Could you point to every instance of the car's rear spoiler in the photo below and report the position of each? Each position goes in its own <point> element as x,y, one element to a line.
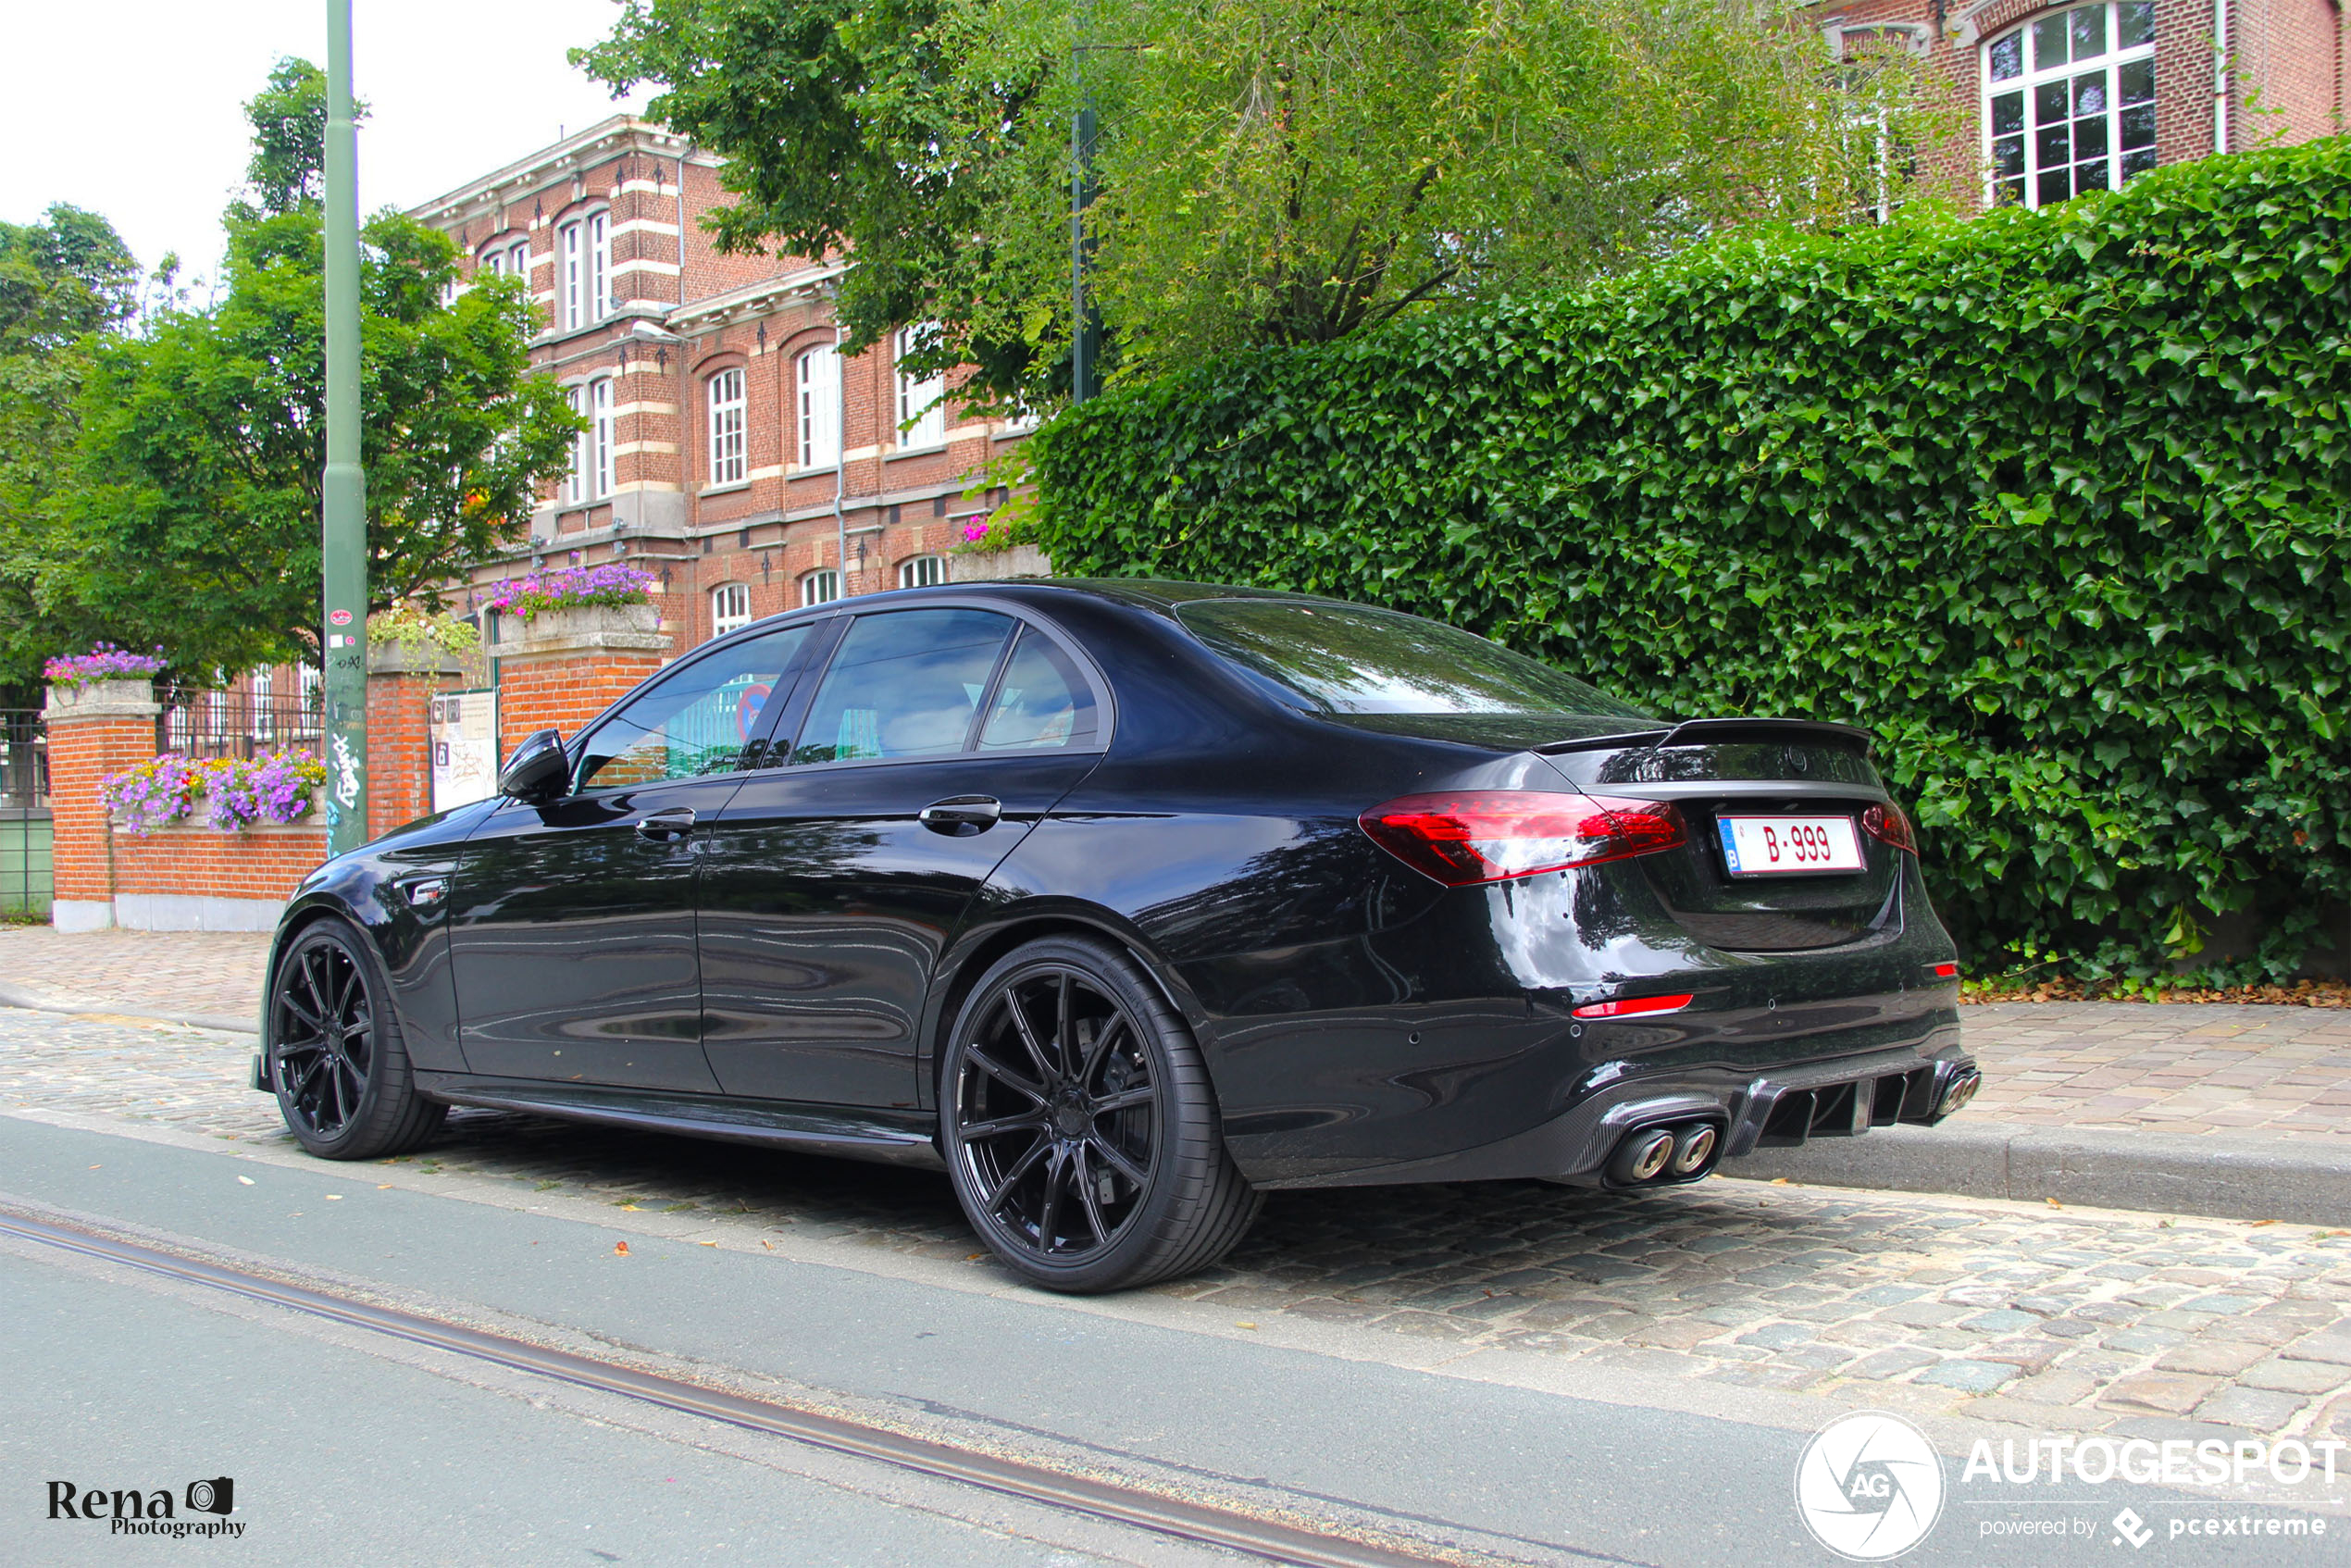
<point>1715,731</point>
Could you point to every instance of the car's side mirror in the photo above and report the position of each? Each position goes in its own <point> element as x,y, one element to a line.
<point>536,769</point>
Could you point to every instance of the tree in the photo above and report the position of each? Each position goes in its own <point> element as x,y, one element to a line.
<point>195,494</point>
<point>60,281</point>
<point>1268,172</point>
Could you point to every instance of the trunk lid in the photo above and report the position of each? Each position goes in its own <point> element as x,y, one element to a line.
<point>1714,768</point>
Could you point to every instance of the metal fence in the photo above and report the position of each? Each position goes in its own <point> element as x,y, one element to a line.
<point>209,724</point>
<point>27,874</point>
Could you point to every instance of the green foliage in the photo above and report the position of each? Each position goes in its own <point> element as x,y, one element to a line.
<point>195,496</point>
<point>1267,172</point>
<point>2055,503</point>
<point>60,281</point>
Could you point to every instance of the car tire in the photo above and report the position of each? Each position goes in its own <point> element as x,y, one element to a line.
<point>335,1057</point>
<point>1086,1147</point>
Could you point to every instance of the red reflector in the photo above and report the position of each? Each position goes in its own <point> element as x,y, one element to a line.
<point>1490,835</point>
<point>1631,1005</point>
<point>1947,971</point>
<point>1889,824</point>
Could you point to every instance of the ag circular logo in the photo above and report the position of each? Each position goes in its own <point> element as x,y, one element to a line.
<point>1870,1486</point>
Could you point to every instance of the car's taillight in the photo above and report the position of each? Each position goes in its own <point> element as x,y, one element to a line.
<point>1889,825</point>
<point>1490,835</point>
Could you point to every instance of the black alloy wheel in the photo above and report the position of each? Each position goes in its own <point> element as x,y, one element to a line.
<point>336,1059</point>
<point>1080,1127</point>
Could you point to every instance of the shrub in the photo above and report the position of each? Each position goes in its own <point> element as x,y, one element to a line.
<point>2055,503</point>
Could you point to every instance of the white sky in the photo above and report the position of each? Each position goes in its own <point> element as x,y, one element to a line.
<point>132,108</point>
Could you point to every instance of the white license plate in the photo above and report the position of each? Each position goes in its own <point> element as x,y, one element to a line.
<point>1777,846</point>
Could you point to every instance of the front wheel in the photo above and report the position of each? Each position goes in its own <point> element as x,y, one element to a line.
<point>336,1059</point>
<point>1080,1127</point>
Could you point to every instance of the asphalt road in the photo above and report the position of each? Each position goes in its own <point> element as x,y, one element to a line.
<point>348,1446</point>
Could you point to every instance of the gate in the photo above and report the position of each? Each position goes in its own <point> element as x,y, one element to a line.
<point>26,877</point>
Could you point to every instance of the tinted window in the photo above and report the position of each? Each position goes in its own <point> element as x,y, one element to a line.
<point>1042,702</point>
<point>1345,658</point>
<point>695,720</point>
<point>905,684</point>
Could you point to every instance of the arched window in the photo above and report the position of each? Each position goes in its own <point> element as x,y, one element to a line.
<point>820,587</point>
<point>2069,102</point>
<point>922,400</point>
<point>600,478</point>
<point>922,571</point>
<point>729,608</point>
<point>583,271</point>
<point>816,378</point>
<point>725,399</point>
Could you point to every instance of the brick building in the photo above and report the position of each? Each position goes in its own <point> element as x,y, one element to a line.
<point>2044,101</point>
<point>730,451</point>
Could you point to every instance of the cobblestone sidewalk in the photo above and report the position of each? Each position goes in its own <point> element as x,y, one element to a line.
<point>2220,1067</point>
<point>2055,1319</point>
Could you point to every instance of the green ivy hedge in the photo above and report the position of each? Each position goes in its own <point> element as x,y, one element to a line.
<point>2054,503</point>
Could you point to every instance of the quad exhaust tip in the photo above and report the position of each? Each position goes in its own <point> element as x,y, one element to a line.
<point>1681,1151</point>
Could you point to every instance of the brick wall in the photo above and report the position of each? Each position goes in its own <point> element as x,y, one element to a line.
<point>261,864</point>
<point>564,690</point>
<point>399,750</point>
<point>81,751</point>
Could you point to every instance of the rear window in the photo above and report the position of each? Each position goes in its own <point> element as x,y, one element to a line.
<point>1350,659</point>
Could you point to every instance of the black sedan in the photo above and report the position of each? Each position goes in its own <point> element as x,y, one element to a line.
<point>1128,901</point>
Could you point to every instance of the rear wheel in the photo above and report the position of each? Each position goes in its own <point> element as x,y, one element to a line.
<point>1080,1127</point>
<point>336,1059</point>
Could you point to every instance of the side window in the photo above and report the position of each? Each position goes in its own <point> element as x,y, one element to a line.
<point>905,684</point>
<point>698,720</point>
<point>1042,702</point>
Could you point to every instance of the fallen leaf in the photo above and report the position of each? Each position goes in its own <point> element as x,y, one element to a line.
<point>705,1243</point>
<point>383,1187</point>
<point>1238,1324</point>
<point>334,1197</point>
<point>2258,1224</point>
<point>620,1248</point>
<point>247,1180</point>
<point>769,1245</point>
<point>1779,1181</point>
<point>95,1167</point>
<point>2053,1202</point>
<point>974,1257</point>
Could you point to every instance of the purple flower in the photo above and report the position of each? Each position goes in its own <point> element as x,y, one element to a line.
<point>615,582</point>
<point>104,662</point>
<point>277,787</point>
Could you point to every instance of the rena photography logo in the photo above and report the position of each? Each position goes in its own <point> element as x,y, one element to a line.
<point>199,1508</point>
<point>1869,1485</point>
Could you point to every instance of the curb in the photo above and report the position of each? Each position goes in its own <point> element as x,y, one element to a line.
<point>2217,1175</point>
<point>36,1002</point>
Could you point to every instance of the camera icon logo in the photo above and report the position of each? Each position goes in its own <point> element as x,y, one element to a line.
<point>216,1496</point>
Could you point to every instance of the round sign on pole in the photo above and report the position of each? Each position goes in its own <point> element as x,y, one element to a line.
<point>339,617</point>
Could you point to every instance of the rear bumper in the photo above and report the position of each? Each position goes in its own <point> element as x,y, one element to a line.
<point>1841,1096</point>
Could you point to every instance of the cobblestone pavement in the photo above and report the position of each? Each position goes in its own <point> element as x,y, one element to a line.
<point>2212,1068</point>
<point>2051,1318</point>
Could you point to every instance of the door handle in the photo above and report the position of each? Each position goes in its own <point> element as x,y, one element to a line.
<point>660,826</point>
<point>960,816</point>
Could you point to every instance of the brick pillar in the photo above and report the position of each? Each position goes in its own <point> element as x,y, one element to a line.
<point>571,665</point>
<point>95,729</point>
<point>401,686</point>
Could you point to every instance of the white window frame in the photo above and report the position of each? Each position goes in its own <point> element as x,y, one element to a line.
<point>598,266</point>
<point>601,475</point>
<point>729,608</point>
<point>576,478</point>
<point>819,587</point>
<point>922,402</point>
<point>2013,164</point>
<point>726,396</point>
<point>922,571</point>
<point>816,403</point>
<point>262,688</point>
<point>569,264</point>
